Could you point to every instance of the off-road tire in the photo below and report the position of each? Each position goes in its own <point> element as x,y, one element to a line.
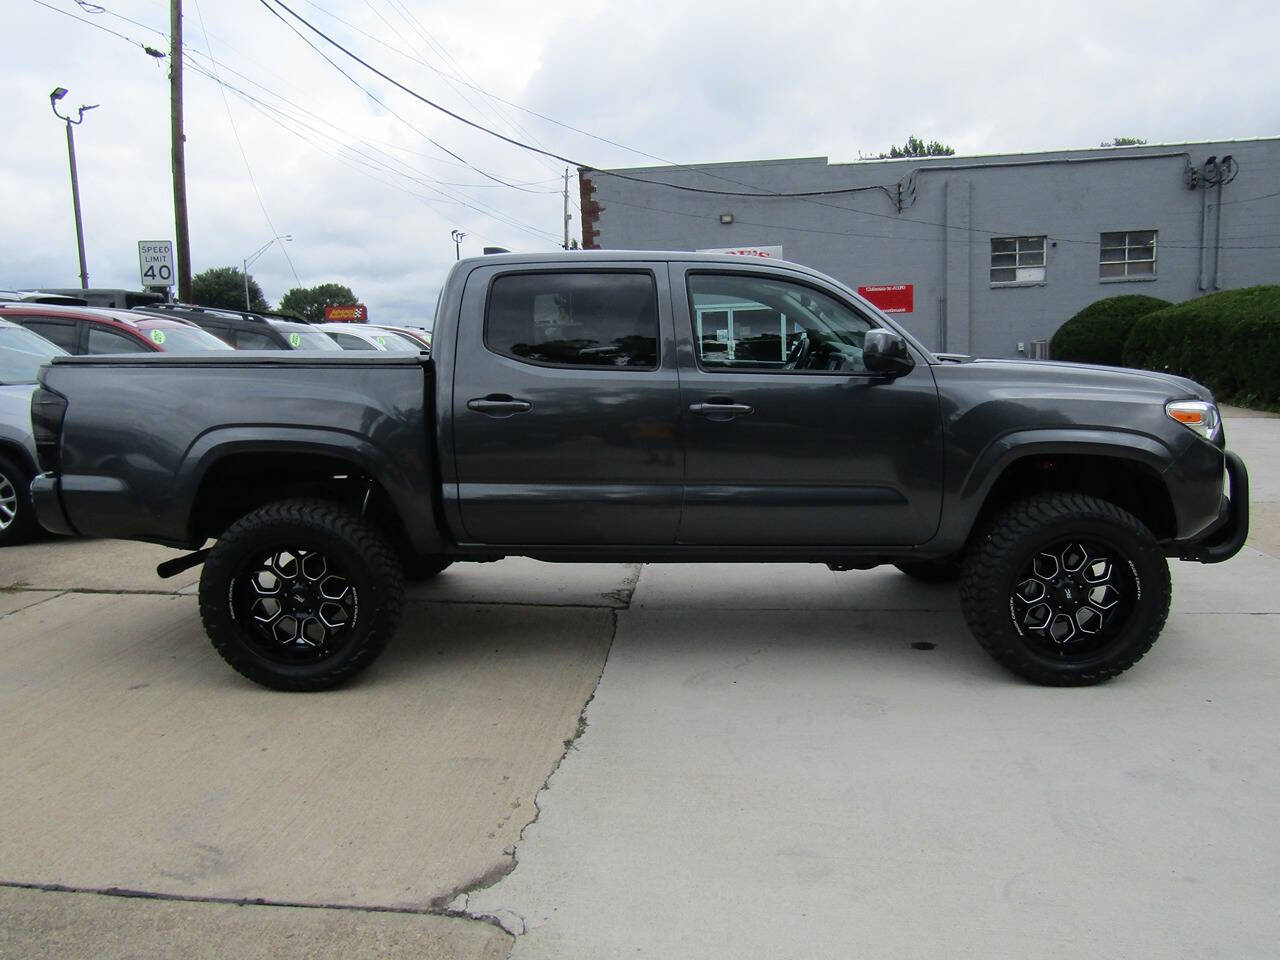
<point>932,571</point>
<point>1013,540</point>
<point>417,569</point>
<point>362,557</point>
<point>15,486</point>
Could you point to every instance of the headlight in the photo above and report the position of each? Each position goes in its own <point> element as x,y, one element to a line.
<point>1195,415</point>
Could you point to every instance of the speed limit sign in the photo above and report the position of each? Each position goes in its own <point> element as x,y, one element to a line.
<point>155,261</point>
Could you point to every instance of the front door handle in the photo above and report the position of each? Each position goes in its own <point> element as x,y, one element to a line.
<point>499,405</point>
<point>717,408</point>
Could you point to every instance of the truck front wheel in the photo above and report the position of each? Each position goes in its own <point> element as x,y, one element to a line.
<point>301,594</point>
<point>1065,589</point>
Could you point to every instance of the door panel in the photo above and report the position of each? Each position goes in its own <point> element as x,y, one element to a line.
<point>789,441</point>
<point>550,445</point>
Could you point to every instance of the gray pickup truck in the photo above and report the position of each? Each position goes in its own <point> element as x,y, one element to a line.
<point>644,406</point>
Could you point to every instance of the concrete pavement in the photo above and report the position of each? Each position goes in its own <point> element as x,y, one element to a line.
<point>135,758</point>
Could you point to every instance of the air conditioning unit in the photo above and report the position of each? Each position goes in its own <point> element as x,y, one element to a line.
<point>1039,350</point>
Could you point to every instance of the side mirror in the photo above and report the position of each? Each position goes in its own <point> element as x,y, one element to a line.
<point>885,352</point>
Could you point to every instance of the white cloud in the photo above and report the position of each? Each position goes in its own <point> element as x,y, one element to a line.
<point>691,82</point>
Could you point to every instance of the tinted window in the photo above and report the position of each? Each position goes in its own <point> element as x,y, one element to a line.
<point>61,332</point>
<point>579,319</point>
<point>760,323</point>
<point>102,340</point>
<point>249,340</point>
<point>181,339</point>
<point>347,342</point>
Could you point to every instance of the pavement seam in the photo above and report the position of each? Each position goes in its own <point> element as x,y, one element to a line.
<point>500,871</point>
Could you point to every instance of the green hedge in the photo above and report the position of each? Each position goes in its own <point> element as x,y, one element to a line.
<point>1229,341</point>
<point>1097,334</point>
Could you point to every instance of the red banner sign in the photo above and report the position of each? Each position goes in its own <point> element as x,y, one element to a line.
<point>892,297</point>
<point>355,313</point>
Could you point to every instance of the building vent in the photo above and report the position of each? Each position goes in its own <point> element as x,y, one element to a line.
<point>1039,350</point>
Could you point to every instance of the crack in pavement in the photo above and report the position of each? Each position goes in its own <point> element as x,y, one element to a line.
<point>455,903</point>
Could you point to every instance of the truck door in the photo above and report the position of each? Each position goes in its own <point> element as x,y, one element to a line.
<point>566,423</point>
<point>789,439</point>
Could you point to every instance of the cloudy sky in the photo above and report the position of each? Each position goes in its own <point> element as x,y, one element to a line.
<point>370,190</point>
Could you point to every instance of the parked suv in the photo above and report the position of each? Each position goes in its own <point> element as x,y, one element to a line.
<point>246,330</point>
<point>91,330</point>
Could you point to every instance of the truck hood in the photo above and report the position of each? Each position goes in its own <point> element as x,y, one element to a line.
<point>1087,374</point>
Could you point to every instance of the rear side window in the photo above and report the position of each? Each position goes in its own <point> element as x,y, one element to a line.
<point>592,319</point>
<point>347,342</point>
<point>249,340</point>
<point>107,341</point>
<point>61,332</point>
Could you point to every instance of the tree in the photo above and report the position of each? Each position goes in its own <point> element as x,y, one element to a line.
<point>224,287</point>
<point>1124,142</point>
<point>309,302</point>
<point>915,147</point>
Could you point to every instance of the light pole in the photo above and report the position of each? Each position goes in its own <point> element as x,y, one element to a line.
<point>457,243</point>
<point>254,256</point>
<point>58,94</point>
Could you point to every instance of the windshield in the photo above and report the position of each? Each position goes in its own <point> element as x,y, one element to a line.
<point>23,353</point>
<point>394,341</point>
<point>302,337</point>
<point>182,339</point>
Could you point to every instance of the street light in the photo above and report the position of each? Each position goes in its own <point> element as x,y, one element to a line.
<point>457,243</point>
<point>254,256</point>
<point>57,94</point>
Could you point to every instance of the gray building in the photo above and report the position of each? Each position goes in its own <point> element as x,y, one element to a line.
<point>983,255</point>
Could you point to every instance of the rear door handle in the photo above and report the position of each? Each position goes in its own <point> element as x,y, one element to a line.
<point>499,405</point>
<point>720,409</point>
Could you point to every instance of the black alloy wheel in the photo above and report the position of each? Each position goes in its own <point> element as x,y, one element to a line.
<point>301,594</point>
<point>1065,589</point>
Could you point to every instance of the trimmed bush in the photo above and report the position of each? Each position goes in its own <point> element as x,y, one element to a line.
<point>1097,334</point>
<point>1229,341</point>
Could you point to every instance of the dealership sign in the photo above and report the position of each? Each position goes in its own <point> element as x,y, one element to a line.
<point>767,252</point>
<point>892,297</point>
<point>354,313</point>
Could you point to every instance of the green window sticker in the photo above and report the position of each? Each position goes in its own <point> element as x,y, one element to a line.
<point>382,341</point>
<point>295,340</point>
<point>157,335</point>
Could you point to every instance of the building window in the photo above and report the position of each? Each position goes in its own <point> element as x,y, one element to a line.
<point>1017,259</point>
<point>1128,254</point>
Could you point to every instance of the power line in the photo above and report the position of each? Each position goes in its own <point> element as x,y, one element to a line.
<point>244,156</point>
<point>527,146</point>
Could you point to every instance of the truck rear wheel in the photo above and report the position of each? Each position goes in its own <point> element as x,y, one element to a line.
<point>1065,589</point>
<point>301,594</point>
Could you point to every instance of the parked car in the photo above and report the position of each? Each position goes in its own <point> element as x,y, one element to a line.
<point>641,407</point>
<point>419,335</point>
<point>246,330</point>
<point>92,330</point>
<point>37,296</point>
<point>22,353</point>
<point>359,336</point>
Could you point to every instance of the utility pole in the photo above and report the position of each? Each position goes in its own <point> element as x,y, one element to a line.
<point>566,208</point>
<point>58,94</point>
<point>178,149</point>
<point>457,236</point>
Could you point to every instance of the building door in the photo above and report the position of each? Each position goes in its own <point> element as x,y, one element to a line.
<point>789,439</point>
<point>565,406</point>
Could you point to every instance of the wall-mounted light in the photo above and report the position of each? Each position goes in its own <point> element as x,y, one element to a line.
<point>726,218</point>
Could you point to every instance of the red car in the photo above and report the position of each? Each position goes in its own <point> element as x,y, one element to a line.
<point>96,330</point>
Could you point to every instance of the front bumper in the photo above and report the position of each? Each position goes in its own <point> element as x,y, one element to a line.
<point>1223,539</point>
<point>48,504</point>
